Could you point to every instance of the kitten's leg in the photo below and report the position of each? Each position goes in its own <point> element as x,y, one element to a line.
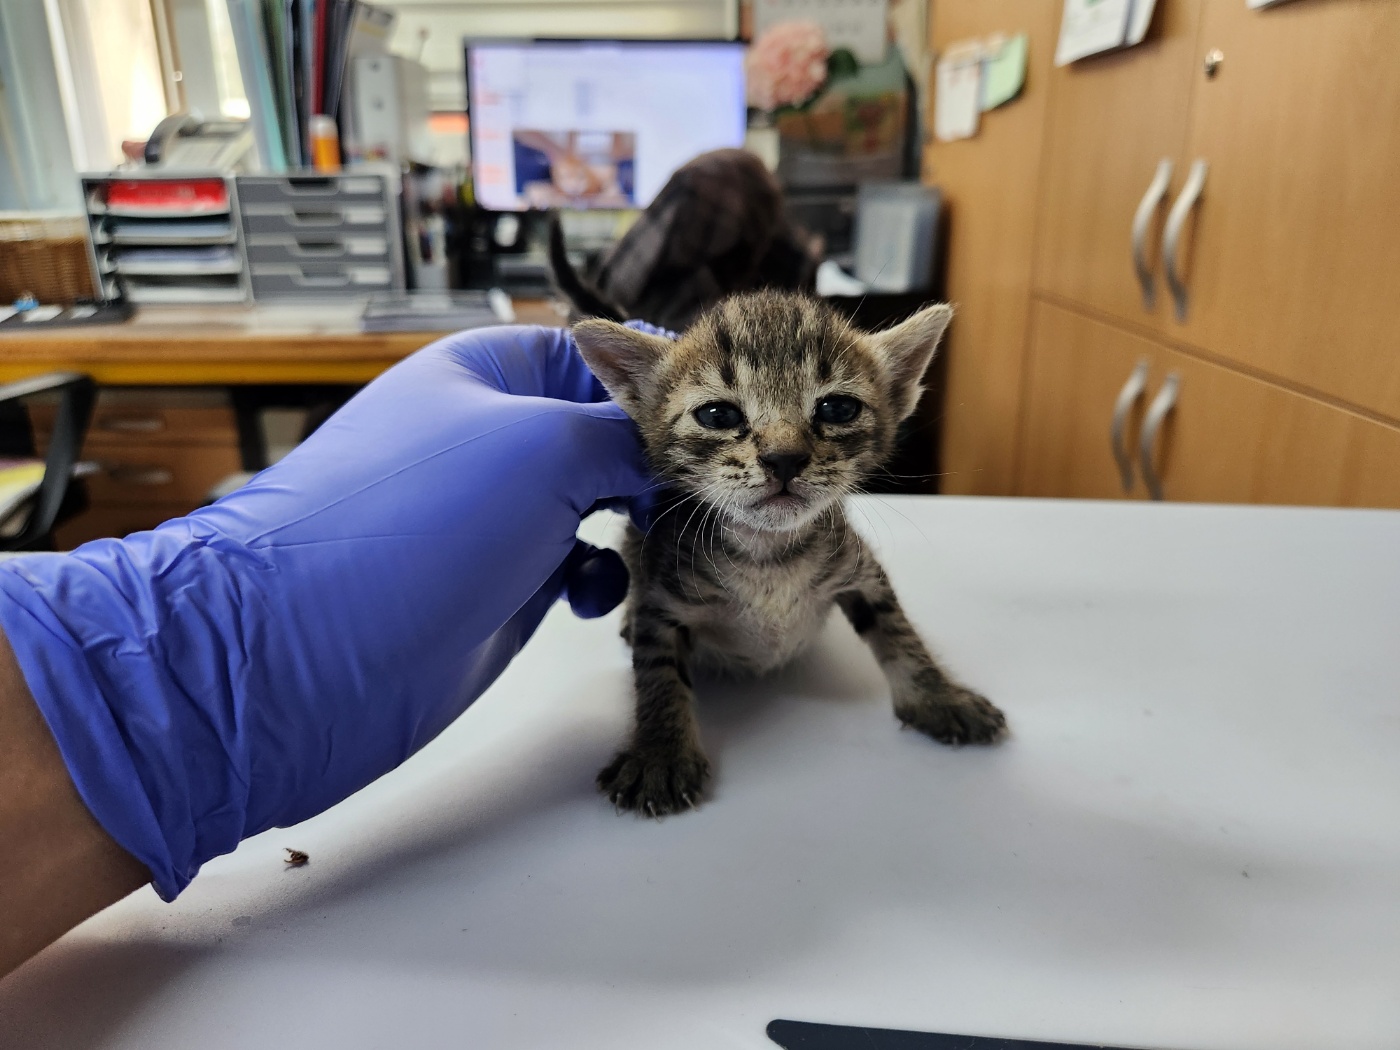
<point>924,696</point>
<point>662,769</point>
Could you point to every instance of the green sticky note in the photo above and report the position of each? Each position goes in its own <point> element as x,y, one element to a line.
<point>1004,71</point>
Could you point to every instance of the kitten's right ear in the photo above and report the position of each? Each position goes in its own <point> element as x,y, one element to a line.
<point>624,360</point>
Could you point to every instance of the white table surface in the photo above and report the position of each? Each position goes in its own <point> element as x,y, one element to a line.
<point>1192,839</point>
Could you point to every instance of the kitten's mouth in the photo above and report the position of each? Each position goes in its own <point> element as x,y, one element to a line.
<point>784,499</point>
<point>787,504</point>
<point>781,500</point>
<point>786,508</point>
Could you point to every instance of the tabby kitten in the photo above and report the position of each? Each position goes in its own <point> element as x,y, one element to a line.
<point>761,417</point>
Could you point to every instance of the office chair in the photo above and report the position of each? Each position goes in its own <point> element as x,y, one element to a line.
<point>57,497</point>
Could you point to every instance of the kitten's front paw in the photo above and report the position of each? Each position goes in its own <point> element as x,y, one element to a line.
<point>655,782</point>
<point>951,714</point>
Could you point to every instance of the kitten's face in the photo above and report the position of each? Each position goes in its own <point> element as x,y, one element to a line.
<point>770,407</point>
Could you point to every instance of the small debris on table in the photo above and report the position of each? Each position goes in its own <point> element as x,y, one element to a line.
<point>295,857</point>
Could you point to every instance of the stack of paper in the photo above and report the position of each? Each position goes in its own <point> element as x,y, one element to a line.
<point>292,55</point>
<point>974,76</point>
<point>19,480</point>
<point>436,311</point>
<point>1090,26</point>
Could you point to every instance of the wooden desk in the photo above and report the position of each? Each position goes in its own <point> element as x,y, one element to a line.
<point>187,346</point>
<point>161,451</point>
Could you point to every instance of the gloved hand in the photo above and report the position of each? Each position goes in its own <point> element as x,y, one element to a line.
<point>254,663</point>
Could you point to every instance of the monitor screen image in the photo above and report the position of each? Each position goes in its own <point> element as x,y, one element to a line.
<point>596,124</point>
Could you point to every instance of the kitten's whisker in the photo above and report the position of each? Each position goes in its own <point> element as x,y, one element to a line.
<point>917,527</point>
<point>868,506</point>
<point>655,521</point>
<point>698,545</point>
<point>882,472</point>
<point>702,501</point>
<point>874,281</point>
<point>680,536</point>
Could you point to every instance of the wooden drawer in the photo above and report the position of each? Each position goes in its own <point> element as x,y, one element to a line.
<point>1076,370</point>
<point>159,451</point>
<point>115,520</point>
<point>164,423</point>
<point>152,417</point>
<point>160,473</point>
<point>1230,438</point>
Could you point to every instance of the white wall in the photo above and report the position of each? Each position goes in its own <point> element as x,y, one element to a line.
<point>36,164</point>
<point>447,22</point>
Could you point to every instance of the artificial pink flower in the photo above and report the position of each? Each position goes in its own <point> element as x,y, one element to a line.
<point>786,65</point>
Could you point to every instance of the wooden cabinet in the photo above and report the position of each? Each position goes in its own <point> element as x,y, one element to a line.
<point>1285,344</point>
<point>1112,120</point>
<point>157,454</point>
<point>1226,438</point>
<point>1233,439</point>
<point>146,472</point>
<point>1295,265</point>
<point>991,213</point>
<point>1077,369</point>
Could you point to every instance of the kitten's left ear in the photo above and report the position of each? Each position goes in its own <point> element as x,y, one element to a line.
<point>906,350</point>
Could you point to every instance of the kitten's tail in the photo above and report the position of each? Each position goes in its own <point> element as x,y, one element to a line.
<point>586,300</point>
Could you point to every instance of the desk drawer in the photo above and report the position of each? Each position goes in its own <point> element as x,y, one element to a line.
<point>318,220</point>
<point>310,189</point>
<point>162,424</point>
<point>309,248</point>
<point>116,520</point>
<point>273,281</point>
<point>144,417</point>
<point>157,474</point>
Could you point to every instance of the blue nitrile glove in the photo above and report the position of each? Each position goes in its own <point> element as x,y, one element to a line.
<point>254,663</point>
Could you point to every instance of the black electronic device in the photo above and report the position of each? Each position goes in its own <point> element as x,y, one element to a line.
<point>806,1035</point>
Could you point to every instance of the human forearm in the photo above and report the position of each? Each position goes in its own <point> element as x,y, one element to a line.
<point>57,865</point>
<point>255,662</point>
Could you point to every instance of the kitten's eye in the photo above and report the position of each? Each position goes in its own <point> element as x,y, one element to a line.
<point>838,408</point>
<point>719,415</point>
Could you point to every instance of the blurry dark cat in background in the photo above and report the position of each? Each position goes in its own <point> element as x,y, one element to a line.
<point>717,227</point>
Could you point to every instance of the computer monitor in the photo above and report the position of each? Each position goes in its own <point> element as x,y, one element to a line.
<point>596,123</point>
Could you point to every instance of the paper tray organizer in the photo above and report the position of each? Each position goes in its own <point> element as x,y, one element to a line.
<point>165,238</point>
<point>213,238</point>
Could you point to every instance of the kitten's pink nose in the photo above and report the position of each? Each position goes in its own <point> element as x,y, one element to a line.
<point>785,465</point>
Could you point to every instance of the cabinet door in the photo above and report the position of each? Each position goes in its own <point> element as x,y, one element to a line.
<point>1077,369</point>
<point>1230,438</point>
<point>1112,118</point>
<point>1235,439</point>
<point>1295,269</point>
<point>987,183</point>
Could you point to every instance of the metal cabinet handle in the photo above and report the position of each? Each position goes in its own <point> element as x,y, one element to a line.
<point>1157,413</point>
<point>1171,241</point>
<point>1147,207</point>
<point>1127,397</point>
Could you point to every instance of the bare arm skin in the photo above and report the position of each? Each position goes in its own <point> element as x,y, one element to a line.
<point>57,865</point>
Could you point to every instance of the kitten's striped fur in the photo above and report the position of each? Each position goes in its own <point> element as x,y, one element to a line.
<point>752,549</point>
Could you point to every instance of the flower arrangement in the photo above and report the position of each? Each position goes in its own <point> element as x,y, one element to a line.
<point>818,116</point>
<point>787,65</point>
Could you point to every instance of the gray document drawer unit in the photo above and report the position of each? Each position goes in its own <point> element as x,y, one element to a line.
<point>318,236</point>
